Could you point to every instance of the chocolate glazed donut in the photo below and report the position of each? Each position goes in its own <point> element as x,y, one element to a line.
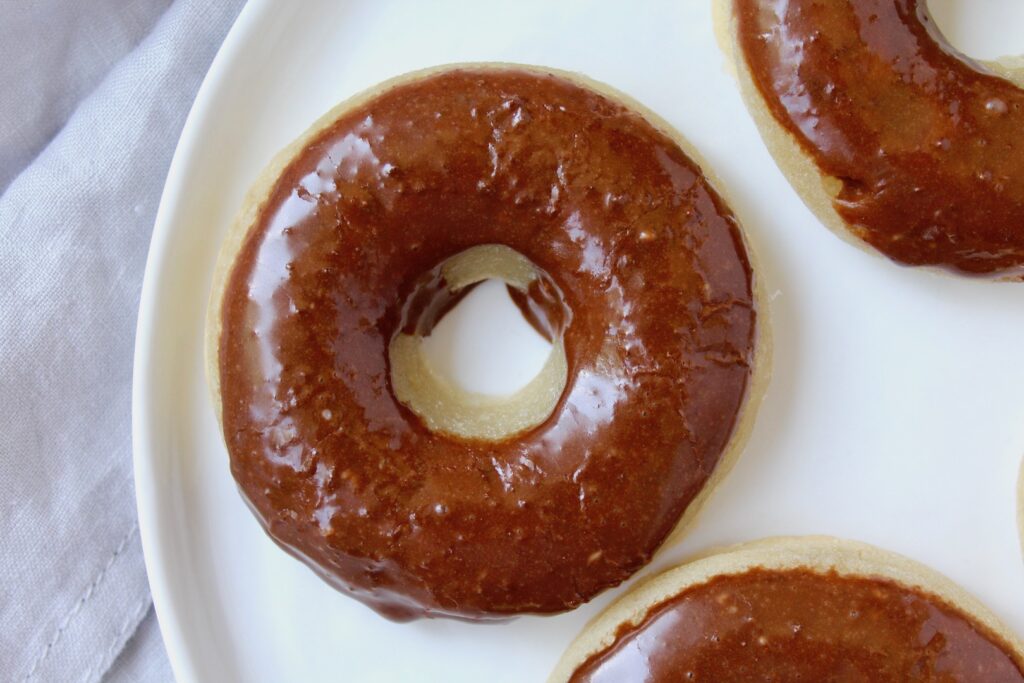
<point>372,225</point>
<point>795,609</point>
<point>885,130</point>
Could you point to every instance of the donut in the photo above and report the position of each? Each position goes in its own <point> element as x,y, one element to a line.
<point>889,135</point>
<point>795,609</point>
<point>401,489</point>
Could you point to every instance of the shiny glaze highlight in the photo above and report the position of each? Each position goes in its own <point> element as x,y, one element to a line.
<point>928,146</point>
<point>800,625</point>
<point>651,266</point>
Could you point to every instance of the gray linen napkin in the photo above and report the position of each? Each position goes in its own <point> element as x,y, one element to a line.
<point>75,225</point>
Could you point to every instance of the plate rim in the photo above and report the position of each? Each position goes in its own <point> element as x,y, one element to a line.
<point>148,497</point>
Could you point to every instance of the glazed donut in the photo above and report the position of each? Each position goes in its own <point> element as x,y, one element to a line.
<point>788,609</point>
<point>398,487</point>
<point>887,133</point>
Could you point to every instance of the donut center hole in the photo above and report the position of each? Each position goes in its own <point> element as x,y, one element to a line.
<point>982,30</point>
<point>479,351</point>
<point>485,344</point>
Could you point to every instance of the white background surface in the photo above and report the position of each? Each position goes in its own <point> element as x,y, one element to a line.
<point>485,345</point>
<point>895,414</point>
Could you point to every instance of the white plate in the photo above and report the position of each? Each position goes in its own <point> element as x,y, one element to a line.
<point>895,415</point>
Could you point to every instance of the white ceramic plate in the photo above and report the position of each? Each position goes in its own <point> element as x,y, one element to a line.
<point>895,415</point>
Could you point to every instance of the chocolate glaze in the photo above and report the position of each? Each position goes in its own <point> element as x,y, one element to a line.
<point>928,146</point>
<point>542,305</point>
<point>429,303</point>
<point>799,625</point>
<point>651,265</point>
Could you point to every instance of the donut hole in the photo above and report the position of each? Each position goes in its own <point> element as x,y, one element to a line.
<point>484,344</point>
<point>479,353</point>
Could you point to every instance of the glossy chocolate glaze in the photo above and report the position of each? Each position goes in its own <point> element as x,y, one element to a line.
<point>429,303</point>
<point>928,146</point>
<point>799,625</point>
<point>651,265</point>
<point>541,304</point>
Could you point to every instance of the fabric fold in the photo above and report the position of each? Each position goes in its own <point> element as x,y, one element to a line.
<point>74,231</point>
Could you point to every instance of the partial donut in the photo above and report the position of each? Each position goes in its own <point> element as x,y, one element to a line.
<point>887,133</point>
<point>796,609</point>
<point>406,492</point>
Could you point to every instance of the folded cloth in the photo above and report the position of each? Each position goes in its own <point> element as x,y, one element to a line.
<point>74,230</point>
<point>52,54</point>
<point>143,659</point>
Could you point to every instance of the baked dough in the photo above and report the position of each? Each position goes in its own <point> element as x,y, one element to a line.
<point>820,191</point>
<point>819,554</point>
<point>395,582</point>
